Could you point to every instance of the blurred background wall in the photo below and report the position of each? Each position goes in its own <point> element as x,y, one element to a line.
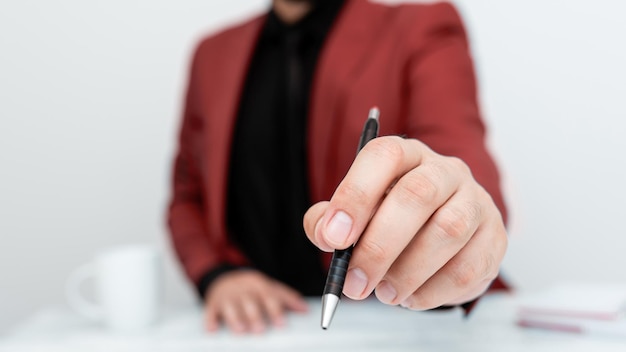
<point>90,95</point>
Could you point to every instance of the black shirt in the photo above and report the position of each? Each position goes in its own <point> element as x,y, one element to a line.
<point>268,190</point>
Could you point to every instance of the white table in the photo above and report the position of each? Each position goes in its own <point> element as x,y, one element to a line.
<point>357,326</point>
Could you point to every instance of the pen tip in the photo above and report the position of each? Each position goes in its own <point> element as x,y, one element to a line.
<point>374,113</point>
<point>329,304</point>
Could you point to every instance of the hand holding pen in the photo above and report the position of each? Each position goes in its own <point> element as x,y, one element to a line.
<point>425,233</point>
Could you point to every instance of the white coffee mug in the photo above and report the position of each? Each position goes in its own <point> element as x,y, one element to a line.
<point>127,282</point>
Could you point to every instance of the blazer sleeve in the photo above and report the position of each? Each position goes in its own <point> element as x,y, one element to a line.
<point>443,110</point>
<point>201,257</point>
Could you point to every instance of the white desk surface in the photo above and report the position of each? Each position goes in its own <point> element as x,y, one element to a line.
<point>357,326</point>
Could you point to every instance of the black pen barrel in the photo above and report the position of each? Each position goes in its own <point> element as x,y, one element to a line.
<point>337,271</point>
<point>370,131</point>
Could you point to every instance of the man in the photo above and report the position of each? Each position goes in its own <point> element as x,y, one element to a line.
<point>272,119</point>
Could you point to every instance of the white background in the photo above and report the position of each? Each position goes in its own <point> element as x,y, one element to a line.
<point>90,95</point>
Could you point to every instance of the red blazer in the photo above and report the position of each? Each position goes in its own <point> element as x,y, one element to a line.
<point>412,61</point>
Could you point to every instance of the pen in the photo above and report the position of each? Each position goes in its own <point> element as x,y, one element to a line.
<point>341,257</point>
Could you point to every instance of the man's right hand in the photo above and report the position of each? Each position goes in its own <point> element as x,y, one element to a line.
<point>247,301</point>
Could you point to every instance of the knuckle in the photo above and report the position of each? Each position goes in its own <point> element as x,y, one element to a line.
<point>455,223</point>
<point>387,148</point>
<point>354,192</point>
<point>373,251</point>
<point>463,275</point>
<point>491,275</point>
<point>416,191</point>
<point>439,169</point>
<point>473,211</point>
<point>490,267</point>
<point>459,165</point>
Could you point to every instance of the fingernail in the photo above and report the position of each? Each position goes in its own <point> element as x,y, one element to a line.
<point>339,228</point>
<point>406,304</point>
<point>355,284</point>
<point>385,292</point>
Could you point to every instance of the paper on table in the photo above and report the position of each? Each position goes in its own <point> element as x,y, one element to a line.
<point>577,300</point>
<point>576,307</point>
<point>578,325</point>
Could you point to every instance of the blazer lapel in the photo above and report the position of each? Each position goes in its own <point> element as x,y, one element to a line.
<point>223,107</point>
<point>345,49</point>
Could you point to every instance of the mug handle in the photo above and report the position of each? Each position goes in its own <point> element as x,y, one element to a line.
<point>75,299</point>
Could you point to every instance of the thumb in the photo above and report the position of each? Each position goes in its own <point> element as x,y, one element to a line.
<point>313,225</point>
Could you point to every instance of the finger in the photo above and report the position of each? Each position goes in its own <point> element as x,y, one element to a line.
<point>440,239</point>
<point>252,313</point>
<point>312,221</point>
<point>477,263</point>
<point>232,316</point>
<point>274,309</point>
<point>478,290</point>
<point>211,317</point>
<point>360,192</point>
<point>416,196</point>
<point>290,298</point>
